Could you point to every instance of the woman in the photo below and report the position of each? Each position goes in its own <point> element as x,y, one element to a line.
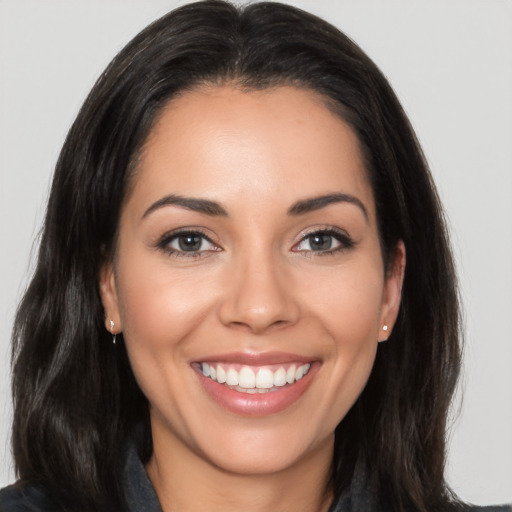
<point>240,214</point>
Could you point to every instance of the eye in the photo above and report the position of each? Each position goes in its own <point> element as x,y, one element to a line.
<point>325,241</point>
<point>187,244</point>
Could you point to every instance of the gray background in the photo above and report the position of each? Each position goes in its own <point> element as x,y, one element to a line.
<point>450,62</point>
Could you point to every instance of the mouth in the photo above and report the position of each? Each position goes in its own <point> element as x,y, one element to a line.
<point>256,385</point>
<point>253,380</point>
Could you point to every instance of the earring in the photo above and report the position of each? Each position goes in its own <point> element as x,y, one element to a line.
<point>385,329</point>
<point>112,332</point>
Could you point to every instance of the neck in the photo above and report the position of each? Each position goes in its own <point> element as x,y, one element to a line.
<point>184,481</point>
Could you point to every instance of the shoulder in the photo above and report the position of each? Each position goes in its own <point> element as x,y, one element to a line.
<point>26,498</point>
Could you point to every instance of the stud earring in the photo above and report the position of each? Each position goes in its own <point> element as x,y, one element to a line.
<point>385,329</point>
<point>112,332</point>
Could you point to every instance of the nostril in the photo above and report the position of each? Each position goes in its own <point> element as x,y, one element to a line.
<point>259,327</point>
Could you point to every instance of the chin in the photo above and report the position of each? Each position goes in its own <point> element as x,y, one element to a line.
<point>264,449</point>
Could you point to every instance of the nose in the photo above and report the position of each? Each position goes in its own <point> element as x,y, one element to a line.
<point>259,296</point>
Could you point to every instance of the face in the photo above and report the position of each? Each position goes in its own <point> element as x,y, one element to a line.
<point>248,279</point>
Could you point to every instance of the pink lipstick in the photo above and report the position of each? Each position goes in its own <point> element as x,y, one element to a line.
<point>256,384</point>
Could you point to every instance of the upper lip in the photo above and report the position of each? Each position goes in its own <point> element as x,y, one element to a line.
<point>255,359</point>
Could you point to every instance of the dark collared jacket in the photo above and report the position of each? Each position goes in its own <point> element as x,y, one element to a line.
<point>141,497</point>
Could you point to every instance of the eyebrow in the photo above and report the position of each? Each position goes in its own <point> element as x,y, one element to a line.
<point>204,206</point>
<point>316,203</point>
<point>214,209</point>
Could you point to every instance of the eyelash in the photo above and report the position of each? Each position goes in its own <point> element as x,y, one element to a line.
<point>343,238</point>
<point>164,243</point>
<point>168,238</point>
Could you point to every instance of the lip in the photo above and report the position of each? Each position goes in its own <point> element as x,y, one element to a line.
<point>255,405</point>
<point>253,359</point>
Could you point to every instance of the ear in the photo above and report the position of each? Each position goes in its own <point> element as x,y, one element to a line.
<point>108,293</point>
<point>392,292</point>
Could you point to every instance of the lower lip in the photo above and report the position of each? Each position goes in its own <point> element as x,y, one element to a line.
<point>247,404</point>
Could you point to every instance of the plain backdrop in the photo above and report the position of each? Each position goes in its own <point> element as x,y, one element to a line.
<point>450,62</point>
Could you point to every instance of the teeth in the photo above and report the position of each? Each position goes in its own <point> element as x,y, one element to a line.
<point>280,377</point>
<point>232,377</point>
<point>265,379</point>
<point>221,374</point>
<point>247,379</point>
<point>290,375</point>
<point>253,380</point>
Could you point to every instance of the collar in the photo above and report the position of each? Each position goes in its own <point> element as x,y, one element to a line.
<point>139,492</point>
<point>141,496</point>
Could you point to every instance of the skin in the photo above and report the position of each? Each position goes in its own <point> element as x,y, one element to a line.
<point>259,285</point>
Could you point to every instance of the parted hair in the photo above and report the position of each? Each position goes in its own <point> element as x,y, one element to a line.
<point>75,397</point>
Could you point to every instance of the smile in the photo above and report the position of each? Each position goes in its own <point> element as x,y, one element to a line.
<point>256,385</point>
<point>247,379</point>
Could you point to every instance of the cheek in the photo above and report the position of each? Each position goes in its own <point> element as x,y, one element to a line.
<point>160,310</point>
<point>159,307</point>
<point>348,302</point>
<point>346,308</point>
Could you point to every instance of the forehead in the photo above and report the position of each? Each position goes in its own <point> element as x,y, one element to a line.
<point>224,143</point>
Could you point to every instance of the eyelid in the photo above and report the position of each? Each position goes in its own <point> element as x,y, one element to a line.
<point>163,242</point>
<point>345,240</point>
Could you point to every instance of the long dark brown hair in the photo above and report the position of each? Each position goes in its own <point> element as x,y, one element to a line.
<point>75,397</point>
